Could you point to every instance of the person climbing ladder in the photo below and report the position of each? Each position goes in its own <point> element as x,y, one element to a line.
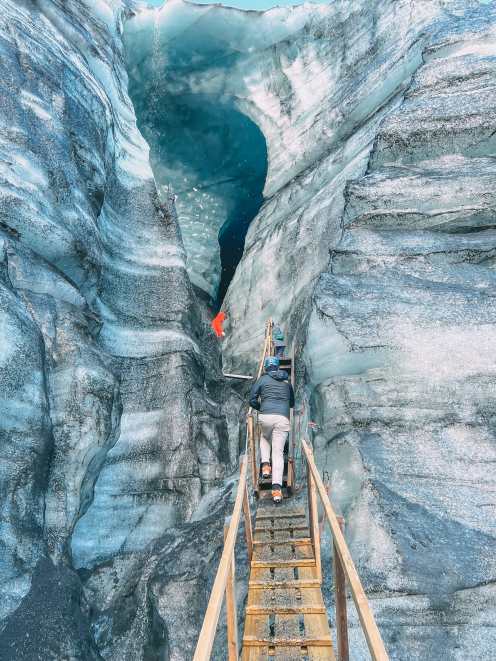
<point>273,396</point>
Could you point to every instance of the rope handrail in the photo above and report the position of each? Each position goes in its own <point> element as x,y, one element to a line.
<point>211,618</point>
<point>367,620</point>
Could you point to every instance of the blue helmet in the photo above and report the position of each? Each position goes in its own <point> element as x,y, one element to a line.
<point>271,364</point>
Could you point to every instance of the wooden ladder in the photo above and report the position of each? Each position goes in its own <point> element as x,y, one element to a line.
<point>285,614</point>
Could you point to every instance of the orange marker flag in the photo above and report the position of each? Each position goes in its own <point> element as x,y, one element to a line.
<point>217,324</point>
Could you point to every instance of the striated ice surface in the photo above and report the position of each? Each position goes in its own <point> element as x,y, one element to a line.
<point>407,304</point>
<point>381,251</point>
<point>110,433</point>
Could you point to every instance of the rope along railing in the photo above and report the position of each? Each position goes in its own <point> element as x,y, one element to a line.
<point>344,568</point>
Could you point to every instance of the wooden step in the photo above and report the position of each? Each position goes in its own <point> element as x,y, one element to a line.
<point>279,512</point>
<point>284,653</point>
<point>249,641</point>
<point>296,541</point>
<point>281,524</point>
<point>285,535</point>
<point>290,574</point>
<point>285,600</point>
<point>300,583</point>
<point>302,562</point>
<point>269,552</point>
<point>285,610</point>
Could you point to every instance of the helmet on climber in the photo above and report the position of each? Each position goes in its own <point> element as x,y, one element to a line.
<point>271,364</point>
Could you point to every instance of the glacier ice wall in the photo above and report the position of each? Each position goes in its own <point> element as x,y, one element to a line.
<point>110,432</point>
<point>400,348</point>
<point>392,200</point>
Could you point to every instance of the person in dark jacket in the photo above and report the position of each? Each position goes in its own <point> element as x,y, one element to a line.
<point>279,342</point>
<point>272,395</point>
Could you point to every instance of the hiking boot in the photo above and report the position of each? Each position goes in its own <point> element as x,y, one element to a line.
<point>277,494</point>
<point>266,471</point>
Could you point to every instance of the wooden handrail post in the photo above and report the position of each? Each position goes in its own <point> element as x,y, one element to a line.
<point>340,602</point>
<point>207,634</point>
<point>231,611</point>
<point>253,452</point>
<point>248,528</point>
<point>367,620</point>
<point>313,516</point>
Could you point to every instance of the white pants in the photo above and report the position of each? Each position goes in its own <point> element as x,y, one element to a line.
<point>274,429</point>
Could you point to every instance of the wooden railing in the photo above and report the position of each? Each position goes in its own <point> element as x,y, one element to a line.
<point>224,579</point>
<point>344,568</point>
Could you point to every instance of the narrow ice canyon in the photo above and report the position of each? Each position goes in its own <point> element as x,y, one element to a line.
<point>329,165</point>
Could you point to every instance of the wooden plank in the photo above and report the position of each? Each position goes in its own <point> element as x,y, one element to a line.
<point>280,524</point>
<point>273,598</point>
<point>296,541</point>
<point>285,610</point>
<point>231,609</point>
<point>302,641</point>
<point>295,598</point>
<point>264,585</point>
<point>312,596</point>
<point>255,653</point>
<point>317,626</point>
<point>294,533</point>
<point>277,551</point>
<point>279,513</point>
<point>287,627</point>
<point>253,451</point>
<point>304,562</point>
<point>307,573</point>
<point>367,620</point>
<point>320,654</point>
<point>256,627</point>
<point>211,619</point>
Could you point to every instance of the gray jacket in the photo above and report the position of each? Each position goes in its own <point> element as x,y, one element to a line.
<point>272,394</point>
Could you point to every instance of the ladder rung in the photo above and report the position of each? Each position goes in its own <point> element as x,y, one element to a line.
<point>251,641</point>
<point>281,515</point>
<point>287,527</point>
<point>285,585</point>
<point>295,541</point>
<point>302,562</point>
<point>286,610</point>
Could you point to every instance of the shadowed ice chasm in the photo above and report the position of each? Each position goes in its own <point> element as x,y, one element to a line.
<point>202,148</point>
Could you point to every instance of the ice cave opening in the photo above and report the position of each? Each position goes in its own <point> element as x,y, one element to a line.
<point>203,148</point>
